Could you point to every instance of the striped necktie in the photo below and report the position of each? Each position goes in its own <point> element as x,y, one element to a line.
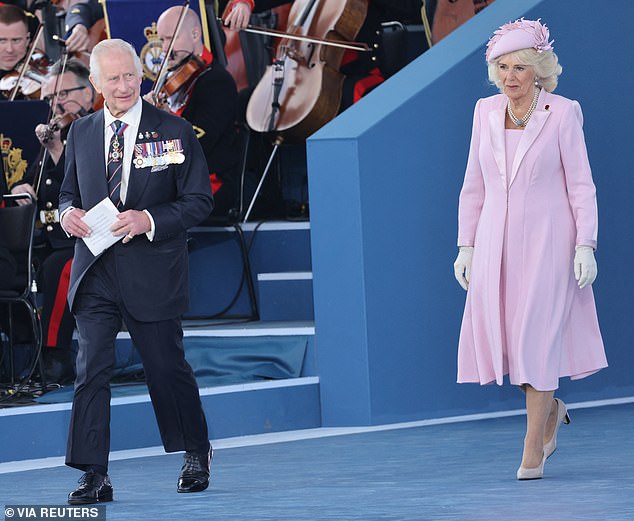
<point>115,161</point>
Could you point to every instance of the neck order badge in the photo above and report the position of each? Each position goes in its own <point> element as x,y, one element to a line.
<point>115,161</point>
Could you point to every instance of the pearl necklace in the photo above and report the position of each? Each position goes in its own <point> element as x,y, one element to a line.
<point>521,122</point>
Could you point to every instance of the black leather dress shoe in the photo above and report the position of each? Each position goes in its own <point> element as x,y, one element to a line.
<point>93,488</point>
<point>194,476</point>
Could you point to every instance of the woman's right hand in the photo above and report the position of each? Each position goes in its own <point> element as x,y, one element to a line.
<point>585,266</point>
<point>462,266</point>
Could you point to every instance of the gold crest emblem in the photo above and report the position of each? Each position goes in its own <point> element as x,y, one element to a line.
<point>14,165</point>
<point>151,53</point>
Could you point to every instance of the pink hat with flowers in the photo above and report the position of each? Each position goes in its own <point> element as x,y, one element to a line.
<point>520,34</point>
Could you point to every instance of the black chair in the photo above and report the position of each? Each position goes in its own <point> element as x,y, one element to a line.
<point>17,226</point>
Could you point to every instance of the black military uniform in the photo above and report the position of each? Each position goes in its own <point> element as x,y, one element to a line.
<point>211,109</point>
<point>53,254</point>
<point>84,12</point>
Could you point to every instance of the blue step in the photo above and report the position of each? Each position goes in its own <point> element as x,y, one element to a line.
<point>286,295</point>
<point>216,264</point>
<point>256,407</point>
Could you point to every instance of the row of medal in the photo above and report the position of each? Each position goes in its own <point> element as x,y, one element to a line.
<point>158,153</point>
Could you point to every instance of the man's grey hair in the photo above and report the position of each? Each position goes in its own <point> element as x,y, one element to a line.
<point>106,46</point>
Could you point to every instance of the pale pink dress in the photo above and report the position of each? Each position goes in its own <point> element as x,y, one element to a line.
<point>527,200</point>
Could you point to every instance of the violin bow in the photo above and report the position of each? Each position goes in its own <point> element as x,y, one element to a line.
<point>160,77</point>
<point>27,59</point>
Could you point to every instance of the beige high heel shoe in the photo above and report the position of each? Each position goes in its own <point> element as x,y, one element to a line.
<point>562,417</point>
<point>524,473</point>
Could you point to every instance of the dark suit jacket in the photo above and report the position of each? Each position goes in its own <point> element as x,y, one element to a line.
<point>153,276</point>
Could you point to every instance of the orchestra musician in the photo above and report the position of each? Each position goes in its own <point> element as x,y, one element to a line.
<point>14,37</point>
<point>79,19</point>
<point>71,95</point>
<point>208,100</point>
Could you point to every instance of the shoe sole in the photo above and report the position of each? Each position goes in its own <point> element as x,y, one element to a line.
<point>104,499</point>
<point>193,489</point>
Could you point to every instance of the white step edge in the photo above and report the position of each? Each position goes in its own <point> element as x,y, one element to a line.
<point>143,398</point>
<point>306,328</point>
<point>286,275</point>
<point>272,226</point>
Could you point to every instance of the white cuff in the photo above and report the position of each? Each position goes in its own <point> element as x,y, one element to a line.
<point>150,234</point>
<point>61,219</point>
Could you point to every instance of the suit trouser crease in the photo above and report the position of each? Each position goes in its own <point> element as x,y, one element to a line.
<point>99,312</point>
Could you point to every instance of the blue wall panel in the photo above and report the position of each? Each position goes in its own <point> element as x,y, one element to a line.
<point>384,180</point>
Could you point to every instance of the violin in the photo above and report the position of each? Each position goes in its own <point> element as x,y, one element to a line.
<point>28,83</point>
<point>180,80</point>
<point>59,123</point>
<point>28,70</point>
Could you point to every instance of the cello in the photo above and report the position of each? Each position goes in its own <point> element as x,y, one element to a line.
<point>301,91</point>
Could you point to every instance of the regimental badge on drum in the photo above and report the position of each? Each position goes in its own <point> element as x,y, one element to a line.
<point>158,153</point>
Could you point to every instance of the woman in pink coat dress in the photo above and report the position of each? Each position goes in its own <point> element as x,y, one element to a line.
<point>527,234</point>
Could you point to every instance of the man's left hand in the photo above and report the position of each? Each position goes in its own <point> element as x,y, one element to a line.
<point>131,223</point>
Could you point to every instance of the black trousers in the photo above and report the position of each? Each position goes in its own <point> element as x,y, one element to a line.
<point>99,312</point>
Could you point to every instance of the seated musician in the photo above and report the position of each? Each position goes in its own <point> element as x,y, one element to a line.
<point>14,37</point>
<point>79,19</point>
<point>362,69</point>
<point>208,100</point>
<point>71,95</point>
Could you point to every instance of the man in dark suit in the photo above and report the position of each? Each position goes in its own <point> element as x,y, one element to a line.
<point>149,163</point>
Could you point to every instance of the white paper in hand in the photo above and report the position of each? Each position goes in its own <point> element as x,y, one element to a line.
<point>100,218</point>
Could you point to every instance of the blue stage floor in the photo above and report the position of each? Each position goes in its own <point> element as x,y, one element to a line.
<point>456,471</point>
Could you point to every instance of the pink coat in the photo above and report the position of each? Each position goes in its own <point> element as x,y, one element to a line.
<point>525,315</point>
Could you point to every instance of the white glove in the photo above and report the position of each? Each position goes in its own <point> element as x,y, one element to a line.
<point>462,266</point>
<point>585,266</point>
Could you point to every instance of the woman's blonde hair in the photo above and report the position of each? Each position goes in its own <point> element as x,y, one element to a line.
<point>545,64</point>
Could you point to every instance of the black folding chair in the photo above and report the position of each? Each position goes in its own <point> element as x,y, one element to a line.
<point>17,226</point>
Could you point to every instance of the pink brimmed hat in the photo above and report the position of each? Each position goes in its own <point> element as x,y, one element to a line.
<point>520,34</point>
